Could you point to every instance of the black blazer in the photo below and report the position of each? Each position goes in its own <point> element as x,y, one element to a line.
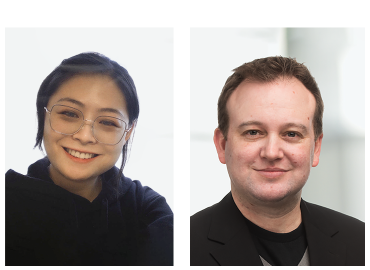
<point>220,236</point>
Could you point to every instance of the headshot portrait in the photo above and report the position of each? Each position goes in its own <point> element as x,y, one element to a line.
<point>277,146</point>
<point>89,153</point>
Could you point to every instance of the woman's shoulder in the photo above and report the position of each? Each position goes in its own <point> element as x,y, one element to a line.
<point>136,197</point>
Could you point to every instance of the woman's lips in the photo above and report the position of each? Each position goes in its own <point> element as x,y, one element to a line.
<point>80,160</point>
<point>81,151</point>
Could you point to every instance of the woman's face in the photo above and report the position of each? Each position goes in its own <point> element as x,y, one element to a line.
<point>93,95</point>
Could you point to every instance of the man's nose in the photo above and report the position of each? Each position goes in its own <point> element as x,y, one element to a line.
<point>272,148</point>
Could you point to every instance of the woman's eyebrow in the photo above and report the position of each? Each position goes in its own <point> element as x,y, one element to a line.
<point>79,103</point>
<point>111,110</point>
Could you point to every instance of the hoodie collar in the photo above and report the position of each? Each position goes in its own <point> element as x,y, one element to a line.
<point>110,191</point>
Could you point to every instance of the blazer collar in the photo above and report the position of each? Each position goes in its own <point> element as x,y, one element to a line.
<point>323,249</point>
<point>228,227</point>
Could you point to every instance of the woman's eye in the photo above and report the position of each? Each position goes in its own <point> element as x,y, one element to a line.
<point>70,114</point>
<point>108,123</point>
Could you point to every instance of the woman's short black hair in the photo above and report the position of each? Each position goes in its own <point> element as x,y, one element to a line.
<point>87,63</point>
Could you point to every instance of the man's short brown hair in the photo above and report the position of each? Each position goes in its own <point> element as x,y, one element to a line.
<point>267,70</point>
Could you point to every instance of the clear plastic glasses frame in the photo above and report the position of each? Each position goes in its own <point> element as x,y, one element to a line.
<point>125,130</point>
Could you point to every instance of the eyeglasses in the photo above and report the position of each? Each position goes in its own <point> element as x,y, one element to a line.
<point>67,120</point>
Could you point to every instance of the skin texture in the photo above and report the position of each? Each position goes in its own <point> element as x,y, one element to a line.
<point>270,150</point>
<point>94,92</point>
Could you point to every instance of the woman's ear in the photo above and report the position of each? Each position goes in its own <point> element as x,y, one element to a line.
<point>129,132</point>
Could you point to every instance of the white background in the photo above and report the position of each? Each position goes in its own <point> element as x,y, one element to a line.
<point>147,53</point>
<point>335,58</point>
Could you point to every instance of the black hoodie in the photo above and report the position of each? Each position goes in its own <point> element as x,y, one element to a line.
<point>48,225</point>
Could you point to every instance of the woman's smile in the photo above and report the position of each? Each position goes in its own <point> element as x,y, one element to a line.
<point>81,157</point>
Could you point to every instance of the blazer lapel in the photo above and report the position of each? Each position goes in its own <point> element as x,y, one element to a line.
<point>322,248</point>
<point>229,228</point>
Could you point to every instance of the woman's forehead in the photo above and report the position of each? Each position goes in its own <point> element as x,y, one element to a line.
<point>90,92</point>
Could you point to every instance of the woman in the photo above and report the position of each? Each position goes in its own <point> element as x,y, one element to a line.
<point>74,207</point>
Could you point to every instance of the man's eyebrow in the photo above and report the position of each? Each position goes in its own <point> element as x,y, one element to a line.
<point>250,123</point>
<point>79,103</point>
<point>288,125</point>
<point>300,126</point>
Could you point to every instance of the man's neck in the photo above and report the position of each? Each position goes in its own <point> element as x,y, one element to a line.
<point>281,217</point>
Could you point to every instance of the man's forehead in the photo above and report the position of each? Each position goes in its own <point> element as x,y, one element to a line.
<point>284,98</point>
<point>274,105</point>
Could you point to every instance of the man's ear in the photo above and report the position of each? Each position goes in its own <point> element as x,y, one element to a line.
<point>317,150</point>
<point>220,143</point>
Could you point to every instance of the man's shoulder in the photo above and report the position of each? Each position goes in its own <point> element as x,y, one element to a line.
<point>216,219</point>
<point>345,228</point>
<point>200,245</point>
<point>331,232</point>
<point>201,221</point>
<point>340,220</point>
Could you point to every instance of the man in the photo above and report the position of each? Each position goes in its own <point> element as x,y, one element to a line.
<point>269,136</point>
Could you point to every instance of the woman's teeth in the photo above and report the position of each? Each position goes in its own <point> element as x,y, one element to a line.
<point>79,154</point>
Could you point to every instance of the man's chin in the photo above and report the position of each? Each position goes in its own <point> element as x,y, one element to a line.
<point>270,199</point>
<point>275,198</point>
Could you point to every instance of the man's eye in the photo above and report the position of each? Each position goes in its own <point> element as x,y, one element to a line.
<point>252,132</point>
<point>293,134</point>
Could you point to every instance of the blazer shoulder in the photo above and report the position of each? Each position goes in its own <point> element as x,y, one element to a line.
<point>350,230</point>
<point>339,230</point>
<point>336,218</point>
<point>201,221</point>
<point>200,245</point>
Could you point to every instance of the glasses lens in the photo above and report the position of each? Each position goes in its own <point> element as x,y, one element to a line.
<point>109,130</point>
<point>68,120</point>
<point>65,119</point>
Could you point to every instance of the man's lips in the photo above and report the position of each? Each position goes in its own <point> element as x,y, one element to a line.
<point>271,172</point>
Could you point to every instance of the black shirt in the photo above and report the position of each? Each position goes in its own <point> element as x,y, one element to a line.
<point>279,249</point>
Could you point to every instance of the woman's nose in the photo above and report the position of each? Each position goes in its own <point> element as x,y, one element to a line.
<point>85,134</point>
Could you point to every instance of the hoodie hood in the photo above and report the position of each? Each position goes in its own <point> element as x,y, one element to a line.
<point>111,191</point>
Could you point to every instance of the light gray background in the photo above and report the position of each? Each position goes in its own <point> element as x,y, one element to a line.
<point>147,53</point>
<point>335,57</point>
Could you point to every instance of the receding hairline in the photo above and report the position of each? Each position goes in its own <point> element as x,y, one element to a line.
<point>284,79</point>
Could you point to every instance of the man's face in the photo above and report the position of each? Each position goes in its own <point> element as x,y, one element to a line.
<point>270,146</point>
